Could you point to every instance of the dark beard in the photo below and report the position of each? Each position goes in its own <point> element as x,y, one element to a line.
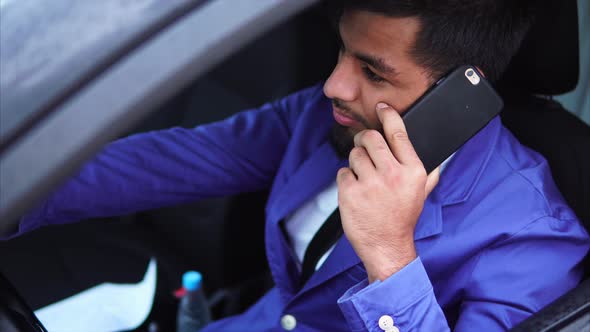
<point>342,140</point>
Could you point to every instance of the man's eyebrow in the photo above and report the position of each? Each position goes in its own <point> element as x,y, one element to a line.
<point>375,62</point>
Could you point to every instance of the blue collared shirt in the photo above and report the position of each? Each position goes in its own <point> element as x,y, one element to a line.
<point>495,240</point>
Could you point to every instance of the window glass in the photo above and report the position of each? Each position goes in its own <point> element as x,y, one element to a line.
<point>47,47</point>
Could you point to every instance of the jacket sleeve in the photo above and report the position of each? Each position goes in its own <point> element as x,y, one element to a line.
<point>175,166</point>
<point>510,281</point>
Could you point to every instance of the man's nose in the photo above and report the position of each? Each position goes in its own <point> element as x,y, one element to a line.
<point>341,83</point>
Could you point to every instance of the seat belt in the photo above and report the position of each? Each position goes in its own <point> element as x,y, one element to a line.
<point>322,241</point>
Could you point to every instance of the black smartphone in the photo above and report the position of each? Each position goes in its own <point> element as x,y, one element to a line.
<point>452,111</point>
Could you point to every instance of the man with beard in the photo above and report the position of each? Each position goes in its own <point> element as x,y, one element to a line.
<point>479,244</point>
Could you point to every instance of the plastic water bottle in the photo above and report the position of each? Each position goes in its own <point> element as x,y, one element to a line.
<point>193,311</point>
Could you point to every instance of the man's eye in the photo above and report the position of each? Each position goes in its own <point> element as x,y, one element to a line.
<point>371,76</point>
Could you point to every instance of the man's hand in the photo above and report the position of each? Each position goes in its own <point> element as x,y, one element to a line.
<point>382,194</point>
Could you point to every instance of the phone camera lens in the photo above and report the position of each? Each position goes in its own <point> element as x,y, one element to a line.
<point>470,73</point>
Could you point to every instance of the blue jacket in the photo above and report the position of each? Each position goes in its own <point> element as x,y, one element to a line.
<point>495,240</point>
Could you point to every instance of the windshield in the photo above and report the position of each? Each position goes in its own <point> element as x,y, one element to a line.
<point>48,47</point>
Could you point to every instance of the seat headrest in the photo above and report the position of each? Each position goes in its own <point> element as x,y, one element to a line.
<point>548,60</point>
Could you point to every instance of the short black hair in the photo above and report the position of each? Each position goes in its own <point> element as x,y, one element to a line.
<point>484,33</point>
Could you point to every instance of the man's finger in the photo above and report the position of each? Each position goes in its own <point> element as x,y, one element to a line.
<point>360,162</point>
<point>432,181</point>
<point>376,147</point>
<point>345,177</point>
<point>396,135</point>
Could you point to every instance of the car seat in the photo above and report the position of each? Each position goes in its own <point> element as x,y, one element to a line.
<point>547,64</point>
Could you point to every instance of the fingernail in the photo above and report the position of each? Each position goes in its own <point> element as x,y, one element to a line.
<point>381,106</point>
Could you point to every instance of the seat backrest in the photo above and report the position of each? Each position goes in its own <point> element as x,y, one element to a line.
<point>548,64</point>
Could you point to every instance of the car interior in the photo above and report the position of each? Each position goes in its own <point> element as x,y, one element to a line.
<point>224,238</point>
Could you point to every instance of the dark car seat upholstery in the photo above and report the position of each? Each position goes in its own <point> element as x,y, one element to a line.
<point>548,64</point>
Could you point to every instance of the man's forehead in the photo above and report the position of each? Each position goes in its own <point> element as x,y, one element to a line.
<point>374,38</point>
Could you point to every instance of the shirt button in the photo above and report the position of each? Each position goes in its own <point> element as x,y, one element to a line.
<point>288,322</point>
<point>386,324</point>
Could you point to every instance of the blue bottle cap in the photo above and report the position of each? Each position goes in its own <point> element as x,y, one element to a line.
<point>191,280</point>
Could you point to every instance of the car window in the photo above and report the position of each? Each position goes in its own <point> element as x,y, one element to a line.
<point>47,46</point>
<point>578,100</point>
<point>81,108</point>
